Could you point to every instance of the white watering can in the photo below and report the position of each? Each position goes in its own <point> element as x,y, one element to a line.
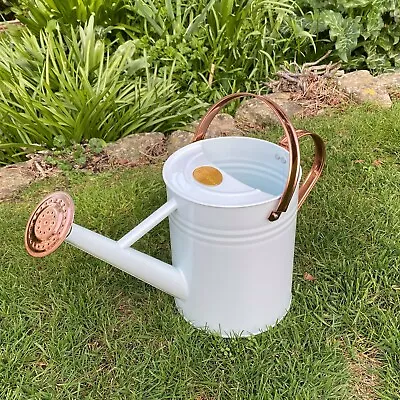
<point>232,207</point>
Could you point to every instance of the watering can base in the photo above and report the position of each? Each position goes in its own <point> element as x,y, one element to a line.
<point>232,333</point>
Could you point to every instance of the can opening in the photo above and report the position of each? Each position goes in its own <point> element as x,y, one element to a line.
<point>256,163</point>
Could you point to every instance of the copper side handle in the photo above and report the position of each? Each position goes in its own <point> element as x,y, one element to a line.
<point>317,166</point>
<point>292,144</point>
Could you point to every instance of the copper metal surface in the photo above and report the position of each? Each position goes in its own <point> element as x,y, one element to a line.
<point>49,224</point>
<point>207,175</point>
<point>317,166</point>
<point>291,140</point>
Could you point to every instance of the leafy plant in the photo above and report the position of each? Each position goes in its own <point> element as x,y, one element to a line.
<point>96,145</point>
<point>36,14</point>
<point>363,32</point>
<point>216,46</point>
<point>5,11</point>
<point>75,157</point>
<point>169,19</point>
<point>56,91</point>
<point>220,46</point>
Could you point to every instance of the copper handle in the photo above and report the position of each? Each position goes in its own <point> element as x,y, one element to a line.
<point>316,168</point>
<point>292,144</point>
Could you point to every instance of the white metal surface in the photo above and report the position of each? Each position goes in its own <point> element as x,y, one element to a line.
<point>232,267</point>
<point>149,223</point>
<point>150,270</point>
<point>242,161</point>
<point>238,265</point>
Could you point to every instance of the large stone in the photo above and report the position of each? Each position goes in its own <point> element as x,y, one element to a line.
<point>13,178</point>
<point>255,114</point>
<point>390,80</point>
<point>221,125</point>
<point>363,87</point>
<point>135,148</point>
<point>178,139</point>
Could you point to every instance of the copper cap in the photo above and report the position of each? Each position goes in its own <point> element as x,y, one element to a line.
<point>49,224</point>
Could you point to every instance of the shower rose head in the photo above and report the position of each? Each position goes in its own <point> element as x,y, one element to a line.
<point>49,224</point>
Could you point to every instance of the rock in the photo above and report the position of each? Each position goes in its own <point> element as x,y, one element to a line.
<point>390,80</point>
<point>255,114</point>
<point>135,148</point>
<point>178,139</point>
<point>222,125</point>
<point>13,178</point>
<point>363,87</point>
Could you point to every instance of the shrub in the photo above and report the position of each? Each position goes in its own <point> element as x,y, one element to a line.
<point>221,46</point>
<point>364,33</point>
<point>216,46</point>
<point>56,91</point>
<point>5,11</point>
<point>36,14</point>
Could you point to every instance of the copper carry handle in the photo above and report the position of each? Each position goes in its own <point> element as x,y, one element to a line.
<point>291,143</point>
<point>317,166</point>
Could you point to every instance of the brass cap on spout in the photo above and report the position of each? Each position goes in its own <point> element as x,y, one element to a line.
<point>49,224</point>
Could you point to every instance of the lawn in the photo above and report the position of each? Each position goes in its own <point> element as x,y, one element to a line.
<point>72,327</point>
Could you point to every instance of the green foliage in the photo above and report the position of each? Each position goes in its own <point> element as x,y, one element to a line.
<point>94,68</point>
<point>37,13</point>
<point>221,46</point>
<point>77,156</point>
<point>364,32</point>
<point>5,11</point>
<point>96,145</point>
<point>57,90</point>
<point>208,48</point>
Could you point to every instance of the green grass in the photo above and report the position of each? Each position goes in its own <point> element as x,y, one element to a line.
<point>72,327</point>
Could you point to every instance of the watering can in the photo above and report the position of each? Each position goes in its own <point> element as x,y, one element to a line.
<point>232,204</point>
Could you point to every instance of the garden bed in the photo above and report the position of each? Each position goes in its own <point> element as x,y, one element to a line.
<point>82,69</point>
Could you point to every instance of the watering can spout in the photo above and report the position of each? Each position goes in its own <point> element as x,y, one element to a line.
<point>51,223</point>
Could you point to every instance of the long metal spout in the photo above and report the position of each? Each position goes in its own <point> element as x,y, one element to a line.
<point>51,223</point>
<point>142,266</point>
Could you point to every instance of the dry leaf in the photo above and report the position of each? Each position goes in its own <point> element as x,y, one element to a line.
<point>309,277</point>
<point>358,161</point>
<point>377,163</point>
<point>94,345</point>
<point>41,364</point>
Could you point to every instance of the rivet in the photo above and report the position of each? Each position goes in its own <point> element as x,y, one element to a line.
<point>283,161</point>
<point>277,156</point>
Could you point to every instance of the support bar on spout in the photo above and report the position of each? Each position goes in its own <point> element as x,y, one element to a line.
<point>142,266</point>
<point>149,223</point>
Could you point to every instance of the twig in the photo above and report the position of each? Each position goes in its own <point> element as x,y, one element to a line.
<point>4,25</point>
<point>289,76</point>
<point>211,76</point>
<point>40,169</point>
<point>311,64</point>
<point>147,155</point>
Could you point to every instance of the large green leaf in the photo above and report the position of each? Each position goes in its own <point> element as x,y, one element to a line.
<point>374,24</point>
<point>343,31</point>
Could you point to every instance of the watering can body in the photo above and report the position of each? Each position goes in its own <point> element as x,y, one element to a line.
<point>232,207</point>
<point>237,264</point>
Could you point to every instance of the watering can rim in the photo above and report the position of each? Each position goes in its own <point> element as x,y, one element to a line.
<point>180,151</point>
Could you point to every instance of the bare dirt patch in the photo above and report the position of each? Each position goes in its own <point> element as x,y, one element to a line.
<point>363,366</point>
